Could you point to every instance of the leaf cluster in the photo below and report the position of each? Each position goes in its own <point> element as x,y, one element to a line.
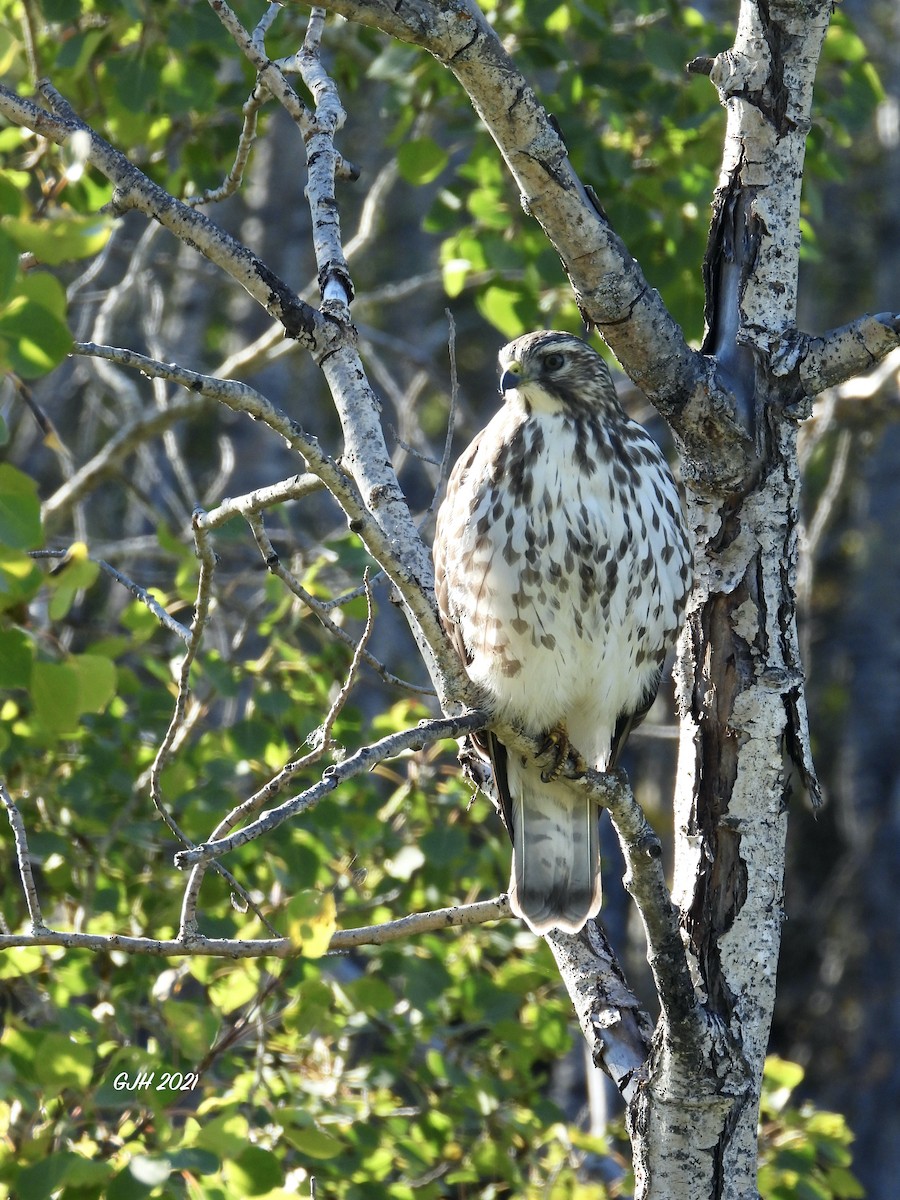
<point>804,1152</point>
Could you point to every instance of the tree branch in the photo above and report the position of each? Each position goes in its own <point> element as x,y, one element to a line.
<point>458,916</point>
<point>23,859</point>
<point>608,283</point>
<point>361,761</point>
<point>240,397</point>
<point>615,1025</point>
<point>842,353</point>
<point>133,190</point>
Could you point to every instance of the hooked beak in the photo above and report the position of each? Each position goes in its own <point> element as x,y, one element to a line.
<point>511,377</point>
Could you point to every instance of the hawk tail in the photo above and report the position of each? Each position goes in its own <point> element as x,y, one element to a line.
<point>556,851</point>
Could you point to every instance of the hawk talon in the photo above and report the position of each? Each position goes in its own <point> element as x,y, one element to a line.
<point>554,747</point>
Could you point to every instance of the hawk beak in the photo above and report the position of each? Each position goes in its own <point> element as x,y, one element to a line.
<point>511,377</point>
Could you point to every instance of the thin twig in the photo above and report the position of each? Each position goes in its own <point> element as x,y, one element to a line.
<point>146,599</point>
<point>263,25</point>
<point>24,861</point>
<point>320,609</point>
<point>278,783</point>
<point>235,176</point>
<point>447,456</point>
<point>255,502</point>
<point>207,559</point>
<point>352,594</point>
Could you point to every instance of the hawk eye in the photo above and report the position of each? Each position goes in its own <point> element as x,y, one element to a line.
<point>553,361</point>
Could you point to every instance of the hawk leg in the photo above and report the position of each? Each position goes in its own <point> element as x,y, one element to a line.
<point>553,753</point>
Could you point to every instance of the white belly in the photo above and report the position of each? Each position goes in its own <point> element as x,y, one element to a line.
<point>575,593</point>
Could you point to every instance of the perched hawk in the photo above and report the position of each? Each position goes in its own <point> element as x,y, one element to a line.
<point>562,565</point>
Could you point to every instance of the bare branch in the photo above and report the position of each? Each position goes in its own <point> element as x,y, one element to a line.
<point>361,761</point>
<point>195,945</point>
<point>146,599</point>
<point>400,551</point>
<point>133,190</point>
<point>271,77</point>
<point>255,502</point>
<point>645,881</point>
<point>441,918</point>
<point>23,859</point>
<point>615,1025</point>
<point>235,176</point>
<point>207,559</point>
<point>843,353</point>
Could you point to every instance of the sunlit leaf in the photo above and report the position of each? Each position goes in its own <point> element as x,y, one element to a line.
<point>311,921</point>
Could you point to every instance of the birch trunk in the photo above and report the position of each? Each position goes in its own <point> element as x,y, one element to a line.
<point>740,678</point>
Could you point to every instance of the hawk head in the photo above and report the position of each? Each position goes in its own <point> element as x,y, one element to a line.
<point>556,372</point>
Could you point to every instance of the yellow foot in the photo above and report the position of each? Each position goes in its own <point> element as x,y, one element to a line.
<point>553,753</point>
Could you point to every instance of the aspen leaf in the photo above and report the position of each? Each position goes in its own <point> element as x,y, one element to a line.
<point>311,921</point>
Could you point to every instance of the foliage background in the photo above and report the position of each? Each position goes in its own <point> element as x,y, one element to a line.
<point>432,1064</point>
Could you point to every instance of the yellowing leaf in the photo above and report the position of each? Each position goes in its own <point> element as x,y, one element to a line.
<point>311,922</point>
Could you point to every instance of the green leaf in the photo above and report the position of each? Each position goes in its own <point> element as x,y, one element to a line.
<point>20,960</point>
<point>782,1073</point>
<point>20,509</point>
<point>21,1047</point>
<point>13,185</point>
<point>9,266</point>
<point>844,1185</point>
<point>96,676</point>
<point>152,1172</point>
<point>33,331</point>
<point>20,578</point>
<point>74,572</point>
<point>55,692</point>
<point>498,305</point>
<point>76,53</point>
<point>221,1134</point>
<point>421,160</point>
<point>254,1172</point>
<point>314,1142</point>
<point>63,239</point>
<point>16,654</point>
<point>46,1177</point>
<point>64,1063</point>
<point>11,49</point>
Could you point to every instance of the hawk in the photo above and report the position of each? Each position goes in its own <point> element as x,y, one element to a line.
<point>562,565</point>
